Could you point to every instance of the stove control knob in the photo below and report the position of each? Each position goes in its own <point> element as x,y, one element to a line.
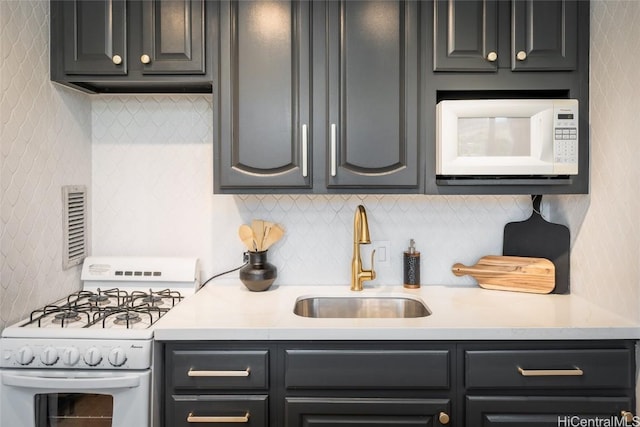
<point>49,356</point>
<point>117,357</point>
<point>92,356</point>
<point>70,356</point>
<point>25,355</point>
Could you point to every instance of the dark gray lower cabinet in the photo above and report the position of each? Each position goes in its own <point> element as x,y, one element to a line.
<point>537,411</point>
<point>398,383</point>
<point>383,412</point>
<point>547,385</point>
<point>219,410</point>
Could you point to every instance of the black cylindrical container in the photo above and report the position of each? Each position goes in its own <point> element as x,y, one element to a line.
<point>258,274</point>
<point>411,266</point>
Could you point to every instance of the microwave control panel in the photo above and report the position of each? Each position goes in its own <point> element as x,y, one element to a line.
<point>565,137</point>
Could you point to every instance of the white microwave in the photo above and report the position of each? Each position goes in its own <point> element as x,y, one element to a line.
<point>507,138</point>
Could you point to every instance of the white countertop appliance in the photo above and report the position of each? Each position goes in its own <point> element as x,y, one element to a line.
<point>87,357</point>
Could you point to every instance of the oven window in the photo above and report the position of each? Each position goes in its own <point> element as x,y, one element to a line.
<point>73,410</point>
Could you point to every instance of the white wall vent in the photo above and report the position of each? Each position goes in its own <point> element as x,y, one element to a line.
<point>74,221</point>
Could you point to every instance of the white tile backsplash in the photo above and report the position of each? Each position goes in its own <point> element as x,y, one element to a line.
<point>153,194</point>
<point>45,143</point>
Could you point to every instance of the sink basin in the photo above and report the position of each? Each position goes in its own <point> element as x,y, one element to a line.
<point>360,307</point>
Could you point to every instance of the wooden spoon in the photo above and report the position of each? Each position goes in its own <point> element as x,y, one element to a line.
<point>257,225</point>
<point>275,233</point>
<point>267,228</point>
<point>246,235</point>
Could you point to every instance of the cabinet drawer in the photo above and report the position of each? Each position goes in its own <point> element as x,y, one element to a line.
<point>540,411</point>
<point>359,412</point>
<point>222,369</point>
<point>217,410</point>
<point>597,368</point>
<point>367,369</point>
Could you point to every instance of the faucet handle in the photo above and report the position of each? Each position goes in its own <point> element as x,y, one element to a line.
<point>373,271</point>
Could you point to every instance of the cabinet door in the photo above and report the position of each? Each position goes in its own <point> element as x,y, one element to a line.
<point>545,35</point>
<point>94,37</point>
<point>173,37</point>
<point>262,120</point>
<point>536,411</point>
<point>465,36</point>
<point>372,127</point>
<point>343,412</point>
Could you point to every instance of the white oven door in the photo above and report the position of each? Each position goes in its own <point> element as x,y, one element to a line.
<point>56,398</point>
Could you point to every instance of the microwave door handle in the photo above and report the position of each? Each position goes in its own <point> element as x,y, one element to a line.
<point>23,381</point>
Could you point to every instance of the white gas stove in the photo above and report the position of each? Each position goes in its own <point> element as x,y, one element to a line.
<point>108,322</point>
<point>86,359</point>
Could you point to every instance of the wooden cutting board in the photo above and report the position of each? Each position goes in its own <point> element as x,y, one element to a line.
<point>511,273</point>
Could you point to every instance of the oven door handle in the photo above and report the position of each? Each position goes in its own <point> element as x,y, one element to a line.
<point>96,383</point>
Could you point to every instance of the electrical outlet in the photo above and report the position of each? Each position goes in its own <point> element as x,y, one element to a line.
<point>383,252</point>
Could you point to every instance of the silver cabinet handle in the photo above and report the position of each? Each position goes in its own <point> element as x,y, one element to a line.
<point>222,419</point>
<point>333,149</point>
<point>576,372</point>
<point>244,373</point>
<point>492,56</point>
<point>145,59</point>
<point>117,59</point>
<point>521,56</point>
<point>305,152</point>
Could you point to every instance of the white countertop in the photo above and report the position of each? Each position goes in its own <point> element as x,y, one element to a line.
<point>228,311</point>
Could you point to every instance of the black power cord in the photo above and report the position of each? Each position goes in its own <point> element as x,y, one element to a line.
<point>245,257</point>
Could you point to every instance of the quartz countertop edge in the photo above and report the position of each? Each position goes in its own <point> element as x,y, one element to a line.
<point>229,311</point>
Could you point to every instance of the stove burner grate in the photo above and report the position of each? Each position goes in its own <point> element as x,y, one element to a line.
<point>106,309</point>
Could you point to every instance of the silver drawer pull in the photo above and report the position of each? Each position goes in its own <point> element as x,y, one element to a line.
<point>244,373</point>
<point>576,372</point>
<point>197,419</point>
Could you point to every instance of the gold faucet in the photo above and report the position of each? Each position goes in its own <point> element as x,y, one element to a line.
<point>360,236</point>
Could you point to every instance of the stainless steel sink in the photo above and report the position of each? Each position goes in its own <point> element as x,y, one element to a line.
<point>360,307</point>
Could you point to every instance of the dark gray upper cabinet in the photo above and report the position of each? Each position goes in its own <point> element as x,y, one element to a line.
<point>544,35</point>
<point>466,35</point>
<point>372,60</point>
<point>94,37</point>
<point>173,37</point>
<point>318,97</point>
<point>262,114</point>
<point>130,45</point>
<point>471,35</point>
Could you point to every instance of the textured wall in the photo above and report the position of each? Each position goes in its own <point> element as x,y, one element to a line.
<point>45,142</point>
<point>606,250</point>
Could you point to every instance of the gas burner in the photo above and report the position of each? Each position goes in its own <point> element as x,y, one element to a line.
<point>66,316</point>
<point>127,318</point>
<point>98,299</point>
<point>152,299</point>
